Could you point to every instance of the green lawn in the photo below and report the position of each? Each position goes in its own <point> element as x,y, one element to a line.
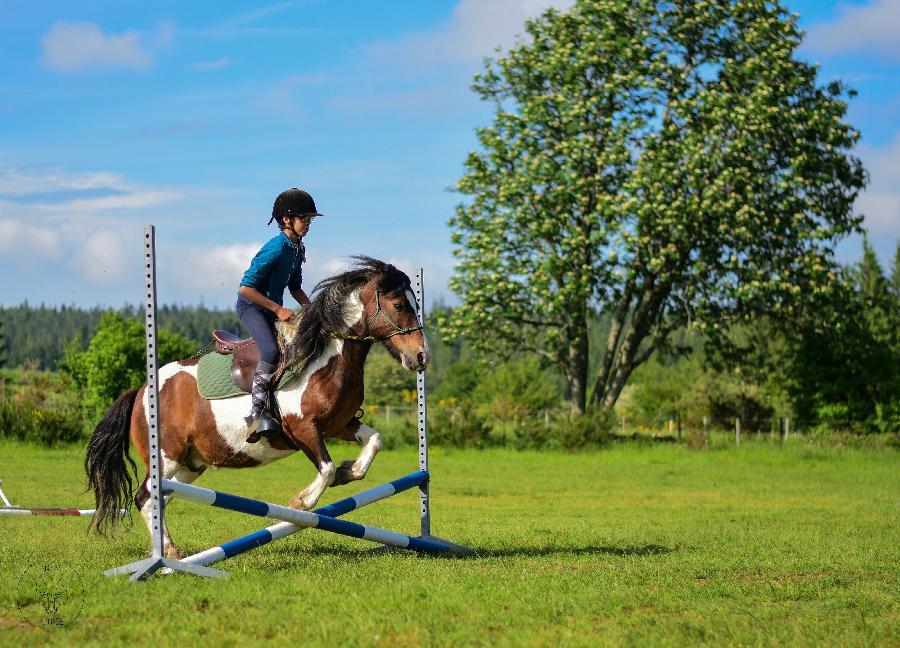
<point>634,545</point>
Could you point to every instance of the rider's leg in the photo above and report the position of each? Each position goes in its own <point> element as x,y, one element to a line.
<point>263,332</point>
<point>259,391</point>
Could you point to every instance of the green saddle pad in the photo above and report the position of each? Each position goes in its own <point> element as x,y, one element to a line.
<point>214,377</point>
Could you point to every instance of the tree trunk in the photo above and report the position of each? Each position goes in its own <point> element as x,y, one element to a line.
<point>612,344</point>
<point>638,330</point>
<point>578,364</point>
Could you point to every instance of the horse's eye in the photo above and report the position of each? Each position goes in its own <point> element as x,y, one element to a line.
<point>399,307</point>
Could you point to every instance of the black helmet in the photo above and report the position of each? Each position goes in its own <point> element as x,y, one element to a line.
<point>294,202</point>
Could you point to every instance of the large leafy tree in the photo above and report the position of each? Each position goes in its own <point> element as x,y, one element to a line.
<point>115,360</point>
<point>662,162</point>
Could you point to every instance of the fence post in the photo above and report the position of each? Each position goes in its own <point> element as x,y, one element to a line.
<point>678,424</point>
<point>706,431</point>
<point>387,413</point>
<point>671,427</point>
<point>737,432</point>
<point>787,427</point>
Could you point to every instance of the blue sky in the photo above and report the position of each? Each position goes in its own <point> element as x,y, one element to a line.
<point>195,115</point>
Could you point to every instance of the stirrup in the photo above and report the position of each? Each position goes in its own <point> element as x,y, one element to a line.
<point>261,426</point>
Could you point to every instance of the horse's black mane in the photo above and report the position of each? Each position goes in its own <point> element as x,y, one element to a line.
<point>326,312</point>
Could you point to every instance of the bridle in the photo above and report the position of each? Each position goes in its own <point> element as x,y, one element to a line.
<point>398,330</point>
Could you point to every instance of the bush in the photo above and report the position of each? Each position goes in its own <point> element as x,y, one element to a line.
<point>115,361</point>
<point>589,431</point>
<point>40,407</point>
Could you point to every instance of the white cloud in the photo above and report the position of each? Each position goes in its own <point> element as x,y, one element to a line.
<point>53,191</point>
<point>871,27</point>
<point>207,66</point>
<point>104,256</point>
<point>74,221</point>
<point>475,29</point>
<point>30,243</point>
<point>132,199</point>
<point>210,268</point>
<point>75,46</point>
<point>881,200</point>
<point>16,182</point>
<point>243,24</point>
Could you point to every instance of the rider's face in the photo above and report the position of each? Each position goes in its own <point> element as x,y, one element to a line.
<point>300,225</point>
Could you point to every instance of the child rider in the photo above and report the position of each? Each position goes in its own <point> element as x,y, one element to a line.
<point>278,265</point>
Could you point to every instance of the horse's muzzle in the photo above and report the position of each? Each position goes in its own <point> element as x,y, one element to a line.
<point>417,363</point>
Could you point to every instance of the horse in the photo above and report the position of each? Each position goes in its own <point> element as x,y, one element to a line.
<point>373,302</point>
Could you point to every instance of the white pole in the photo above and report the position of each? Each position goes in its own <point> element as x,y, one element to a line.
<point>424,500</point>
<point>152,390</point>
<point>144,568</point>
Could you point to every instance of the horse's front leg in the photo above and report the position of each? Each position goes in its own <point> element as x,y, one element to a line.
<point>310,441</point>
<point>355,469</point>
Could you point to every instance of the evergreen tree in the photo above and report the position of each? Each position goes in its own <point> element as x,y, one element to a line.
<point>875,292</point>
<point>3,353</point>
<point>895,276</point>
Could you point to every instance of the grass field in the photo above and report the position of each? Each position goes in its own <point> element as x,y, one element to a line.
<point>634,545</point>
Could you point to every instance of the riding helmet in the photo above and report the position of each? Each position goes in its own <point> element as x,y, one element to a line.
<point>294,202</point>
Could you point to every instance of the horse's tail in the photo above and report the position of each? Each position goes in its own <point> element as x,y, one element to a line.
<point>107,473</point>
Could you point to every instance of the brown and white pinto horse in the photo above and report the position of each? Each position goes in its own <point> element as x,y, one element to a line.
<point>350,311</point>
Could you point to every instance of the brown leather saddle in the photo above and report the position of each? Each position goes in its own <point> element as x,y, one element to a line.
<point>244,354</point>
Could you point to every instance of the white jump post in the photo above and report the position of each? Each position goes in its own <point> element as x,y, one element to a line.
<point>4,498</point>
<point>144,568</point>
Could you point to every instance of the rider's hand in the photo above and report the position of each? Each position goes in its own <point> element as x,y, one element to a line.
<point>284,314</point>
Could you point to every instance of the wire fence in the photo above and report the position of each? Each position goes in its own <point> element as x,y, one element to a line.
<point>777,427</point>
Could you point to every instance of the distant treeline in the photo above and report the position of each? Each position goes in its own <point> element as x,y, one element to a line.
<point>38,334</point>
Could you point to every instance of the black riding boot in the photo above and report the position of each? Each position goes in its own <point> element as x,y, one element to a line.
<point>260,422</point>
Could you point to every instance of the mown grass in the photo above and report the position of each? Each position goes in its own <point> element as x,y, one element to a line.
<point>631,545</point>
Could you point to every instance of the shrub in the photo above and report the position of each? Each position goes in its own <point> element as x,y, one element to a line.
<point>115,361</point>
<point>40,407</point>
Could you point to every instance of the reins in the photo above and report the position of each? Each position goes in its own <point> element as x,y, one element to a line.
<point>398,330</point>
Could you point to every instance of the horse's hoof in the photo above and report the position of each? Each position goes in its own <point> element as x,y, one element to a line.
<point>344,473</point>
<point>299,504</point>
<point>176,553</point>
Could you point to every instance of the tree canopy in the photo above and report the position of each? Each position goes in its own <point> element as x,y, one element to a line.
<point>115,360</point>
<point>663,162</point>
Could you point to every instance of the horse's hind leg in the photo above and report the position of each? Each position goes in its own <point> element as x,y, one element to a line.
<point>176,472</point>
<point>355,469</point>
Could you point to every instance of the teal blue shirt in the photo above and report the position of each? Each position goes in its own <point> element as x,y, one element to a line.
<point>277,265</point>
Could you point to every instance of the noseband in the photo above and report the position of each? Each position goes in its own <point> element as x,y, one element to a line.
<point>398,330</point>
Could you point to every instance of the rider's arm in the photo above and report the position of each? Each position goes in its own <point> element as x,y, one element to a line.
<point>299,295</point>
<point>259,299</point>
<point>260,267</point>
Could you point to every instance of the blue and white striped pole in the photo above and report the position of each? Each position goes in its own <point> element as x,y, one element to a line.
<point>299,518</point>
<point>283,529</point>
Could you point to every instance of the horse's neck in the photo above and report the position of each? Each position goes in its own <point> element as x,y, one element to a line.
<point>352,358</point>
<point>346,366</point>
